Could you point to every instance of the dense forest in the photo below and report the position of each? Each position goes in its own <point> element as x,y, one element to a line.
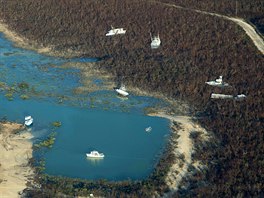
<point>195,48</point>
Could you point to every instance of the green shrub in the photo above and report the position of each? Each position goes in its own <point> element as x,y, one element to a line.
<point>48,142</point>
<point>23,85</point>
<point>24,97</point>
<point>9,95</point>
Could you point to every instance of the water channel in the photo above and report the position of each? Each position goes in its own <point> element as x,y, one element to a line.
<point>38,85</point>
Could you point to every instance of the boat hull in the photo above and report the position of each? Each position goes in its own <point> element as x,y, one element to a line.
<point>149,129</point>
<point>154,45</point>
<point>213,83</point>
<point>29,123</point>
<point>221,96</point>
<point>122,92</point>
<point>92,156</point>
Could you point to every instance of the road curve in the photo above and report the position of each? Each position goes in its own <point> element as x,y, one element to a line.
<point>250,31</point>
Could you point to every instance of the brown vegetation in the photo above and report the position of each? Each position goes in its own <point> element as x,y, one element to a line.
<point>195,48</point>
<point>248,9</point>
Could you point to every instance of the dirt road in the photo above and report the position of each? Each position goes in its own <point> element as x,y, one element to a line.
<point>249,29</point>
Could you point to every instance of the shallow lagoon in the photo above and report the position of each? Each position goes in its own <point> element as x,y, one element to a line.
<point>98,120</point>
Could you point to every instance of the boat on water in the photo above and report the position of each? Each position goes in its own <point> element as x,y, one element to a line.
<point>28,121</point>
<point>115,31</point>
<point>148,129</point>
<point>95,154</point>
<point>155,42</point>
<point>218,82</point>
<point>122,91</point>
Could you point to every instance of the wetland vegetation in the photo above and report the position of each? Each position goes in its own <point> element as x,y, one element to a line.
<point>48,142</point>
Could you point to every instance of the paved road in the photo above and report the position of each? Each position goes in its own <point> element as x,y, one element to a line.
<point>250,31</point>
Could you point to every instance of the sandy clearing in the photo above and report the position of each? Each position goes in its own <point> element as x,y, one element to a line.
<point>183,146</point>
<point>15,151</point>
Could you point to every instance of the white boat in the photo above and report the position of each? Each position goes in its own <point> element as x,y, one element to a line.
<point>95,154</point>
<point>28,120</point>
<point>240,97</point>
<point>115,31</point>
<point>148,129</point>
<point>221,96</point>
<point>155,42</point>
<point>122,91</point>
<point>224,96</point>
<point>218,82</point>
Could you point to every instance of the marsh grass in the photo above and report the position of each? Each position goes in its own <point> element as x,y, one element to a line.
<point>56,124</point>
<point>47,142</point>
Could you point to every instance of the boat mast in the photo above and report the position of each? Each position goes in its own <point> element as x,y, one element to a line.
<point>151,36</point>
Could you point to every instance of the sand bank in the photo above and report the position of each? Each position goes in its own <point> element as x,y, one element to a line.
<point>183,147</point>
<point>15,152</point>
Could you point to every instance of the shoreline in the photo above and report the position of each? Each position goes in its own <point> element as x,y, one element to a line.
<point>182,146</point>
<point>20,41</point>
<point>16,150</point>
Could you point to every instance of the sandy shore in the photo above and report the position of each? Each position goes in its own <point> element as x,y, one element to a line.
<point>183,146</point>
<point>15,151</point>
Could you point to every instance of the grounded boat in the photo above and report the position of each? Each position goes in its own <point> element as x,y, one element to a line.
<point>95,154</point>
<point>155,42</point>
<point>115,31</point>
<point>221,96</point>
<point>148,129</point>
<point>240,97</point>
<point>218,82</point>
<point>28,120</point>
<point>122,91</point>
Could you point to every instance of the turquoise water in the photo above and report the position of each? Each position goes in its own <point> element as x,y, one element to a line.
<point>95,121</point>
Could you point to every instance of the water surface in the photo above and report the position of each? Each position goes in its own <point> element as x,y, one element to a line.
<point>93,121</point>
